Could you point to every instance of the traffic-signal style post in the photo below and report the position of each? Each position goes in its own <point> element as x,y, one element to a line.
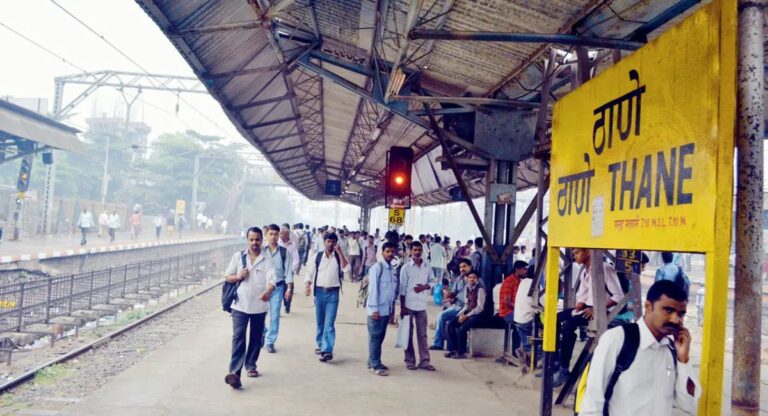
<point>398,177</point>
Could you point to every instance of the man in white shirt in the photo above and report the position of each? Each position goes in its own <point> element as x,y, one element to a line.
<point>114,224</point>
<point>353,247</point>
<point>103,223</point>
<point>85,222</point>
<point>415,285</point>
<point>437,259</point>
<point>324,275</point>
<point>571,319</point>
<point>660,376</point>
<point>256,282</point>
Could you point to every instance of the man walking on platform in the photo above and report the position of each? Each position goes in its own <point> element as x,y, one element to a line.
<point>103,223</point>
<point>415,285</point>
<point>255,276</point>
<point>85,222</point>
<point>114,224</point>
<point>354,256</point>
<point>379,304</point>
<point>281,260</point>
<point>286,242</point>
<point>324,276</point>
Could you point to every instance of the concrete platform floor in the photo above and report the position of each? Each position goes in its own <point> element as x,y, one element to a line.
<point>186,377</point>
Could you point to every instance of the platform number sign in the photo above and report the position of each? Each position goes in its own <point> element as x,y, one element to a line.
<point>396,216</point>
<point>628,261</point>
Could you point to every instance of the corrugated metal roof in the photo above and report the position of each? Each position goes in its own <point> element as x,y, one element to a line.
<point>312,128</point>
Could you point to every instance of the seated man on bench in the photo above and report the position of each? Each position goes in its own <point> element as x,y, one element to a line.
<point>468,317</point>
<point>570,320</point>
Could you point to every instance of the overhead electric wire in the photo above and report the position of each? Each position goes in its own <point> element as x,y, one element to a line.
<point>66,61</point>
<point>123,54</point>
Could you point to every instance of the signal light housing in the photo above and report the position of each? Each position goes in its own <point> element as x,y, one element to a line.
<point>398,174</point>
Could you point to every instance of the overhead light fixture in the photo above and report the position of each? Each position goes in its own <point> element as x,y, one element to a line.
<point>376,134</point>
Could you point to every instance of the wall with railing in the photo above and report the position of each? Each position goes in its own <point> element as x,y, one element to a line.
<point>38,301</point>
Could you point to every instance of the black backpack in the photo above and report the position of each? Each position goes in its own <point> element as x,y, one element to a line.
<point>624,360</point>
<point>229,290</point>
<point>682,280</point>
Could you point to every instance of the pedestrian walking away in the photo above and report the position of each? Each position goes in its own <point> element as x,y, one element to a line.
<point>415,287</point>
<point>379,304</point>
<point>323,279</point>
<point>255,276</point>
<point>85,222</point>
<point>660,376</point>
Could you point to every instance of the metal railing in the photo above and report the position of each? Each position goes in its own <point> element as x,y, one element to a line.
<point>39,301</point>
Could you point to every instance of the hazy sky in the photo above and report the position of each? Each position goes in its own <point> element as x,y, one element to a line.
<point>28,71</point>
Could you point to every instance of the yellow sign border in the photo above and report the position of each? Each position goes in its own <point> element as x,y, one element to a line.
<point>716,297</point>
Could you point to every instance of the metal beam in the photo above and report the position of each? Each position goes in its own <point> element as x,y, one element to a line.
<point>641,33</point>
<point>397,74</point>
<point>248,71</point>
<point>253,104</point>
<point>280,137</point>
<point>285,149</point>
<point>526,38</point>
<point>466,100</point>
<point>273,122</point>
<point>289,159</point>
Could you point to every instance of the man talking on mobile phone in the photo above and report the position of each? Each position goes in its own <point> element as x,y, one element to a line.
<point>660,376</point>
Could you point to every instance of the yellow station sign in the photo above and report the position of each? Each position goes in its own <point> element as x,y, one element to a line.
<point>396,216</point>
<point>635,150</point>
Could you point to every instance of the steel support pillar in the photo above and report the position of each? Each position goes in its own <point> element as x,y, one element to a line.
<point>365,219</point>
<point>745,385</point>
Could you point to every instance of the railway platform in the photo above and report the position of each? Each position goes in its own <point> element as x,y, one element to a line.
<point>186,377</point>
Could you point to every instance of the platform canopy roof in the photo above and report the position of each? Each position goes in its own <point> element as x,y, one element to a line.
<point>24,132</point>
<point>325,87</point>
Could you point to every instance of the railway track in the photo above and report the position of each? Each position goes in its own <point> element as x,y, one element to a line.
<point>29,375</point>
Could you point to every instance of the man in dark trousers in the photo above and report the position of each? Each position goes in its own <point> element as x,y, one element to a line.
<point>256,277</point>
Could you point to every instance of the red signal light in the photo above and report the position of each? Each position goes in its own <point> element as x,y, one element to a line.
<point>399,179</point>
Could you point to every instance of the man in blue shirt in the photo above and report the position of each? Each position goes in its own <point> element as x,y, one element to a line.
<point>378,305</point>
<point>282,261</point>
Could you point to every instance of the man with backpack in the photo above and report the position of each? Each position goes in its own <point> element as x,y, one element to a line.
<point>379,305</point>
<point>642,368</point>
<point>672,272</point>
<point>254,277</point>
<point>282,260</point>
<point>323,279</point>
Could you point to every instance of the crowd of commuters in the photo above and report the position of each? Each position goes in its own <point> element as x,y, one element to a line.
<point>414,271</point>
